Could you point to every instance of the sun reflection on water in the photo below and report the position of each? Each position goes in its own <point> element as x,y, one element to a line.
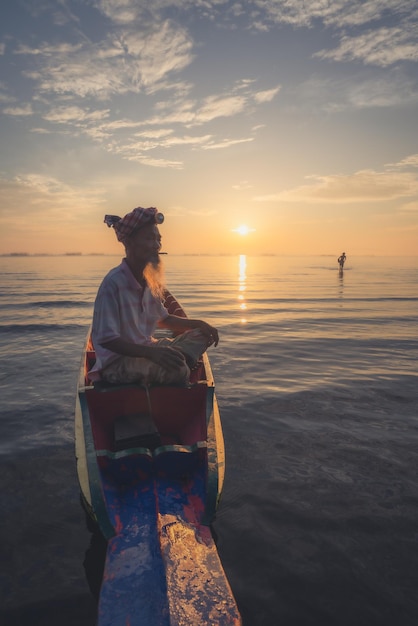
<point>242,284</point>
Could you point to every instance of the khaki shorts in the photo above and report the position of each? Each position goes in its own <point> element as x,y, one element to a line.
<point>129,369</point>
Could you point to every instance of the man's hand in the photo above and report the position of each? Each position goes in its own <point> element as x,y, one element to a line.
<point>181,324</point>
<point>210,332</point>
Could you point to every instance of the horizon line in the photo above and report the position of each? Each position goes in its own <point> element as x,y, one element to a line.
<point>77,254</point>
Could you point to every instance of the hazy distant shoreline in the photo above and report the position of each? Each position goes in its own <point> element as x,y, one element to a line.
<point>27,254</point>
<point>220,254</point>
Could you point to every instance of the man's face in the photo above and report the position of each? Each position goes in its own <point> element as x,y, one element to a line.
<point>144,245</point>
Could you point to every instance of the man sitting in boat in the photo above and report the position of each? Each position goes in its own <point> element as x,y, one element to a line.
<point>129,306</point>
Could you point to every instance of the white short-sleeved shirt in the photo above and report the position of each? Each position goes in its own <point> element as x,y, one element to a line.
<point>123,309</point>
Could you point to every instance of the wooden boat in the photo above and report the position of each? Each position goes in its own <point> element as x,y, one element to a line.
<point>151,464</point>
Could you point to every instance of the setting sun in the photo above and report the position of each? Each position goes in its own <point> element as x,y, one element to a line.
<point>243,230</point>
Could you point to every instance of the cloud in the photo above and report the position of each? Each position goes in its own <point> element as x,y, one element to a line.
<point>391,35</point>
<point>185,141</point>
<point>219,106</point>
<point>80,77</point>
<point>120,11</point>
<point>266,96</point>
<point>243,185</point>
<point>355,92</point>
<point>163,131</point>
<point>40,131</point>
<point>44,214</point>
<point>226,143</point>
<point>130,62</point>
<point>150,143</point>
<point>55,193</point>
<point>389,91</point>
<point>362,186</point>
<point>158,54</point>
<point>340,13</point>
<point>48,50</point>
<point>155,162</point>
<point>124,12</point>
<point>409,161</point>
<point>261,14</point>
<point>37,202</point>
<point>383,47</point>
<point>137,150</point>
<point>74,115</point>
<point>6,99</point>
<point>189,112</point>
<point>19,111</point>
<point>158,133</point>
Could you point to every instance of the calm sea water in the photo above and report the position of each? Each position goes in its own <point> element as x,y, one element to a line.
<point>316,378</point>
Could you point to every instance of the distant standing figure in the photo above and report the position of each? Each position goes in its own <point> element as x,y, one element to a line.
<point>341,260</point>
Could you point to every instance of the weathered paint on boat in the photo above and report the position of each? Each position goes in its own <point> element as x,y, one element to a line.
<point>155,507</point>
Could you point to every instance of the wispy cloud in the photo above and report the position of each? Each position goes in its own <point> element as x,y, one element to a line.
<point>19,111</point>
<point>243,185</point>
<point>121,11</point>
<point>165,129</point>
<point>28,196</point>
<point>360,187</point>
<point>145,48</point>
<point>219,106</point>
<point>390,89</point>
<point>266,96</point>
<point>391,34</point>
<point>226,143</point>
<point>151,143</point>
<point>130,62</point>
<point>155,162</point>
<point>48,50</point>
<point>158,133</point>
<point>340,13</point>
<point>262,13</point>
<point>160,53</point>
<point>383,47</point>
<point>407,162</point>
<point>40,131</point>
<point>75,115</point>
<point>188,112</point>
<point>56,192</point>
<point>6,99</point>
<point>138,150</point>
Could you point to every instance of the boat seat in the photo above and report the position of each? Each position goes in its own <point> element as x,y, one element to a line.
<point>136,431</point>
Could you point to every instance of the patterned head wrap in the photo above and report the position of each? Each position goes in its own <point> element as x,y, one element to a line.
<point>125,226</point>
